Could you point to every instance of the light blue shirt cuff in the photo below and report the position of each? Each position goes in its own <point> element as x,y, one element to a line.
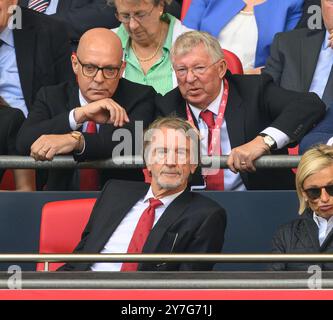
<point>280,137</point>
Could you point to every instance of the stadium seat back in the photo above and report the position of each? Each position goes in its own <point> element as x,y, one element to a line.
<point>62,224</point>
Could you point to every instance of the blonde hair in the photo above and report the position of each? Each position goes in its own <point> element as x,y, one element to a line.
<point>315,159</point>
<point>187,41</point>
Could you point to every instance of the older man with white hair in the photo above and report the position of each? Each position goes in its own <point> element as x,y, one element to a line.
<point>241,116</point>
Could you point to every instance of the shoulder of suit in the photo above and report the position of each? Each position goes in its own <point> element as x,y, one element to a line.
<point>33,18</point>
<point>59,90</point>
<point>297,34</point>
<point>202,200</point>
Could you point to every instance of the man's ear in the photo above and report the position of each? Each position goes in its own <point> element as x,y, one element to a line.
<point>222,68</point>
<point>122,69</point>
<point>75,63</point>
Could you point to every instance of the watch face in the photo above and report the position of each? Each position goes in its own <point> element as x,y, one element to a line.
<point>269,141</point>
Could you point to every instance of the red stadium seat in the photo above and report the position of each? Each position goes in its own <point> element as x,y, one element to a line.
<point>185,6</point>
<point>233,62</point>
<point>8,181</point>
<point>61,227</point>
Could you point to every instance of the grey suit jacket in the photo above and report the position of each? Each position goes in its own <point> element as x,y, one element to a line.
<point>294,57</point>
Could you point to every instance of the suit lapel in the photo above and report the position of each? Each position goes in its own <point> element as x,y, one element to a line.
<point>63,5</point>
<point>23,3</point>
<point>24,40</point>
<point>170,215</point>
<point>235,117</point>
<point>73,97</point>
<point>114,212</point>
<point>309,53</point>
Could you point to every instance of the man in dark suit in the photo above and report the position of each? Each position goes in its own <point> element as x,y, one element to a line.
<point>33,54</point>
<point>81,15</point>
<point>164,217</point>
<point>61,113</point>
<point>250,116</point>
<point>310,8</point>
<point>301,60</point>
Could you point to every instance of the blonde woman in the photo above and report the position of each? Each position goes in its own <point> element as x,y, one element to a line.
<point>312,231</point>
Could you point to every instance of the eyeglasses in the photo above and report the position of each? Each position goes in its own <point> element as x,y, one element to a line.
<point>315,193</point>
<point>90,70</point>
<point>197,70</point>
<point>138,16</point>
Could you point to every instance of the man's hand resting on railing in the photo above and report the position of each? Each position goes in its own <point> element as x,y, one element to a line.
<point>48,146</point>
<point>105,111</point>
<point>242,158</point>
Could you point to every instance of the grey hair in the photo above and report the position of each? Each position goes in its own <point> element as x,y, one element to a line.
<point>154,2</point>
<point>191,39</point>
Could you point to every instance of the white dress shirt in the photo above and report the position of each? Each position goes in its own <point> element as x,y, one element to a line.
<point>121,237</point>
<point>324,226</point>
<point>232,181</point>
<point>73,124</point>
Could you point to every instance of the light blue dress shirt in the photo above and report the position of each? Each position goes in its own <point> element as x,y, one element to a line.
<point>323,68</point>
<point>10,85</point>
<point>52,8</point>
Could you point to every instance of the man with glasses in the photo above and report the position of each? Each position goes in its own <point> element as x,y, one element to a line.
<point>63,119</point>
<point>244,117</point>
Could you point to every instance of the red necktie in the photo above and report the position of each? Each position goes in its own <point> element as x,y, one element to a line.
<point>141,233</point>
<point>213,181</point>
<point>89,178</point>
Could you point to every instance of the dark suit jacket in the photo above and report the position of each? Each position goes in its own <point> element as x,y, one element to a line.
<point>254,104</point>
<point>192,223</point>
<point>320,134</point>
<point>42,53</point>
<point>294,57</point>
<point>303,22</point>
<point>82,15</point>
<point>301,236</point>
<point>11,120</point>
<point>50,115</point>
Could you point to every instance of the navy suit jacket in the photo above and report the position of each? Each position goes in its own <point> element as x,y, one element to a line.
<point>320,134</point>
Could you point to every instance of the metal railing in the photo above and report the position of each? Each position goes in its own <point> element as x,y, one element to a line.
<point>163,258</point>
<point>129,162</point>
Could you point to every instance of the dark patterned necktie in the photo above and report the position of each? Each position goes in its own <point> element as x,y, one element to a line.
<point>38,5</point>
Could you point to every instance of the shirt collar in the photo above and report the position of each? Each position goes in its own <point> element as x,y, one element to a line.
<point>326,42</point>
<point>83,101</point>
<point>165,200</point>
<point>213,107</point>
<point>320,220</point>
<point>7,37</point>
